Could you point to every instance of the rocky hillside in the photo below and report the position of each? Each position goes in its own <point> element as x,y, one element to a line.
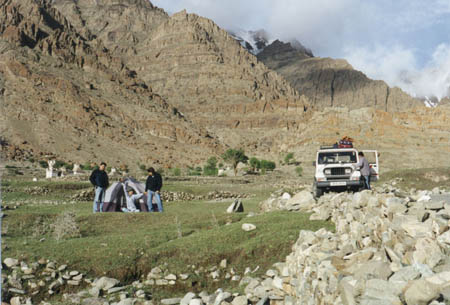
<point>190,61</point>
<point>332,82</point>
<point>66,96</point>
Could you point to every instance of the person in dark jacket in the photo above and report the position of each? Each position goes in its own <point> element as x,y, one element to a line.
<point>99,178</point>
<point>152,188</point>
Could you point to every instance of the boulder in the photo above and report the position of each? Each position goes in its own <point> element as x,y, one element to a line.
<point>248,227</point>
<point>11,262</point>
<point>105,283</point>
<point>421,292</point>
<point>236,207</point>
<point>303,200</point>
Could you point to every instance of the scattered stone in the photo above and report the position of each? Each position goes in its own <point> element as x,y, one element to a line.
<point>11,262</point>
<point>248,227</point>
<point>172,301</point>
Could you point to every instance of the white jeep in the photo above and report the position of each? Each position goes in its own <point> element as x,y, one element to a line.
<point>336,169</point>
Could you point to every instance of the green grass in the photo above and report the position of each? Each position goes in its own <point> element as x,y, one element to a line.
<point>128,246</point>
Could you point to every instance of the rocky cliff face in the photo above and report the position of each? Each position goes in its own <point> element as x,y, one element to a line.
<point>67,97</point>
<point>329,82</point>
<point>189,60</point>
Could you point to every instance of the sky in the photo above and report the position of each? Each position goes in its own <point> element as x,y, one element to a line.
<point>403,42</point>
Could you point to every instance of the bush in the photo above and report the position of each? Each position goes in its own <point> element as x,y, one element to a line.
<point>289,158</point>
<point>68,166</point>
<point>210,169</point>
<point>267,165</point>
<point>43,164</point>
<point>194,171</point>
<point>176,171</point>
<point>65,226</point>
<point>142,167</point>
<point>299,171</point>
<point>87,166</point>
<point>59,164</point>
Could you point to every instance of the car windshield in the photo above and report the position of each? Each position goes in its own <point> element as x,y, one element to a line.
<point>337,157</point>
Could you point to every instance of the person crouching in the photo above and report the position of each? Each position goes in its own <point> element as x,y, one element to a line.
<point>132,198</point>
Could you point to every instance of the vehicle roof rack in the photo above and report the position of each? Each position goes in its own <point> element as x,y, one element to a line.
<point>327,147</point>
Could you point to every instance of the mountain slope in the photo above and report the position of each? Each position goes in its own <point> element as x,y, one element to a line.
<point>332,82</point>
<point>64,97</point>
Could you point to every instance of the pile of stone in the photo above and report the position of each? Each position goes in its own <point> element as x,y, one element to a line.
<point>84,195</point>
<point>36,190</point>
<point>178,196</point>
<point>22,281</point>
<point>302,201</point>
<point>222,195</point>
<point>389,247</point>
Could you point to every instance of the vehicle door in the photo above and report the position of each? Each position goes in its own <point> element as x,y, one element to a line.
<point>372,158</point>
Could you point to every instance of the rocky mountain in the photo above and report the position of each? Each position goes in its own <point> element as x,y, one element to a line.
<point>195,65</point>
<point>331,82</point>
<point>64,95</point>
<point>122,81</point>
<point>253,41</point>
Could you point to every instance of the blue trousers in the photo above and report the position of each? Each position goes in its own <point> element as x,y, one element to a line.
<point>366,181</point>
<point>150,201</point>
<point>99,197</point>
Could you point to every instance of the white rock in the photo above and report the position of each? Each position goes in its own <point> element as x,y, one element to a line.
<point>187,298</point>
<point>421,292</point>
<point>286,196</point>
<point>240,300</point>
<point>105,283</point>
<point>11,262</point>
<point>196,302</point>
<point>248,227</point>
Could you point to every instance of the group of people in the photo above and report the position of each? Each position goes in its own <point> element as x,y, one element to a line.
<point>153,185</point>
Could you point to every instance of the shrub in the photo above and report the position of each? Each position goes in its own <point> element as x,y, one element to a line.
<point>289,158</point>
<point>176,171</point>
<point>65,226</point>
<point>87,166</point>
<point>210,169</point>
<point>59,164</point>
<point>299,171</point>
<point>142,167</point>
<point>267,165</point>
<point>194,171</point>
<point>43,164</point>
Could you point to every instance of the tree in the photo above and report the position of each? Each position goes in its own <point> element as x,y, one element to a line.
<point>234,157</point>
<point>254,164</point>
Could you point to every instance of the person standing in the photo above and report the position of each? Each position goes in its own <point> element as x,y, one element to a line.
<point>99,178</point>
<point>152,188</point>
<point>364,168</point>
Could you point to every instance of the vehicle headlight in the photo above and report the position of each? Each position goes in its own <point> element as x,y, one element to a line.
<point>348,170</point>
<point>327,171</point>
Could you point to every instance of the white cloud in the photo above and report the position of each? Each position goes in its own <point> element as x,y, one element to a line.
<point>399,67</point>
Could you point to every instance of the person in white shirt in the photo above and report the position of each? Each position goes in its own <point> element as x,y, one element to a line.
<point>132,199</point>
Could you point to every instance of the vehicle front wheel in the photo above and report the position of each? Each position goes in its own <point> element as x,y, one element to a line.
<point>317,191</point>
